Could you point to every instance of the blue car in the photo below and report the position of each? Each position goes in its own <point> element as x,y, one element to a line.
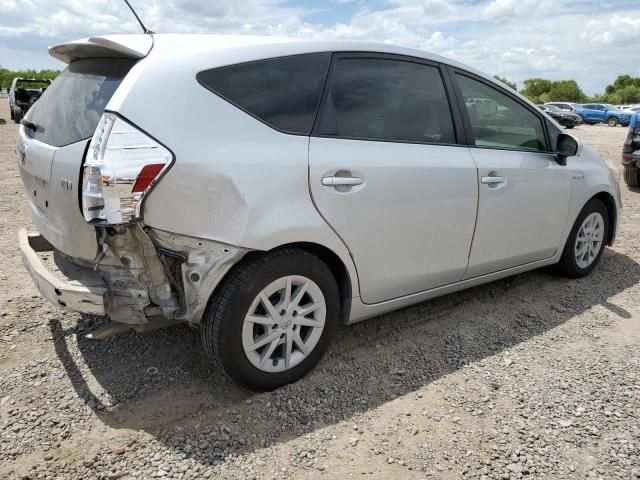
<point>592,113</point>
<point>631,153</point>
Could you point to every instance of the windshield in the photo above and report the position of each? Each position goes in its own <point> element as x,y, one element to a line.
<point>553,108</point>
<point>608,106</point>
<point>69,110</point>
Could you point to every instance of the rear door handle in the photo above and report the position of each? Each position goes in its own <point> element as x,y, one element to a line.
<point>492,180</point>
<point>337,181</point>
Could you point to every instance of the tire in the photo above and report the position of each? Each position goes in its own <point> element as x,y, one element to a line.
<point>17,115</point>
<point>590,123</point>
<point>569,265</point>
<point>632,175</point>
<point>11,112</point>
<point>612,121</point>
<point>225,329</point>
<point>569,127</point>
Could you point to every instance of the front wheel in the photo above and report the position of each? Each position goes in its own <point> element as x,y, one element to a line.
<point>612,121</point>
<point>569,127</point>
<point>586,240</point>
<point>271,320</point>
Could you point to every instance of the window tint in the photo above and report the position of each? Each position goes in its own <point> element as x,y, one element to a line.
<point>387,100</point>
<point>69,110</point>
<point>498,120</point>
<point>282,92</point>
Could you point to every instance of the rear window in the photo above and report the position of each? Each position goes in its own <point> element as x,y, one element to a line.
<point>282,92</point>
<point>69,110</point>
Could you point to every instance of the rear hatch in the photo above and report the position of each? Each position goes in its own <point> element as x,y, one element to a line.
<point>50,156</point>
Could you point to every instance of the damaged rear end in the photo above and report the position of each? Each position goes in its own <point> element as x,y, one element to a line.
<point>87,172</point>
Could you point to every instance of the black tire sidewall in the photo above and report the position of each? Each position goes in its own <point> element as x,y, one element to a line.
<point>230,352</point>
<point>568,262</point>
<point>631,176</point>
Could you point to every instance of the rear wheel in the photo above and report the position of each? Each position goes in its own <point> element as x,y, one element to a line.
<point>586,240</point>
<point>612,121</point>
<point>272,319</point>
<point>632,175</point>
<point>17,115</point>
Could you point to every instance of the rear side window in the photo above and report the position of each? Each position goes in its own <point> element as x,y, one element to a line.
<point>381,99</point>
<point>69,110</point>
<point>499,121</point>
<point>282,92</point>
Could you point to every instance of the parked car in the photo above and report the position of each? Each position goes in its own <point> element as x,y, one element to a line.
<point>564,117</point>
<point>593,113</point>
<point>564,105</point>
<point>293,185</point>
<point>631,153</point>
<point>23,93</point>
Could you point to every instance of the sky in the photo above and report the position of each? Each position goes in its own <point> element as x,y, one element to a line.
<point>591,41</point>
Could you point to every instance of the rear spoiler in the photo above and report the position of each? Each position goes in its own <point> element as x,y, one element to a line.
<point>108,46</point>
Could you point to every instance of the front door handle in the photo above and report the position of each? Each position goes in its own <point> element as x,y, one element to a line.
<point>491,180</point>
<point>341,181</point>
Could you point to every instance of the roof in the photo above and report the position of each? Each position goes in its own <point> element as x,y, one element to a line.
<point>139,45</point>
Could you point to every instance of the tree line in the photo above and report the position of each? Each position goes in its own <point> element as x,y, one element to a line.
<point>624,90</point>
<point>7,76</point>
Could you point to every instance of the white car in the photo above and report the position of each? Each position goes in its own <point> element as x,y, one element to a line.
<point>291,186</point>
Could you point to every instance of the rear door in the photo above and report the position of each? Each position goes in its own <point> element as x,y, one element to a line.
<point>591,113</point>
<point>523,192</point>
<point>388,174</point>
<point>50,157</point>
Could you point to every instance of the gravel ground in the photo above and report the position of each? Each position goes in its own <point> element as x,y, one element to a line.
<point>534,376</point>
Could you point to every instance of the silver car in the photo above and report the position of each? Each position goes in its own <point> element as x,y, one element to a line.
<point>270,189</point>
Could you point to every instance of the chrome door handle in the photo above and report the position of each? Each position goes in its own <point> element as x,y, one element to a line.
<point>338,181</point>
<point>492,180</point>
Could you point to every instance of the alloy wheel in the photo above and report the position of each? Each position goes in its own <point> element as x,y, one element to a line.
<point>284,323</point>
<point>589,240</point>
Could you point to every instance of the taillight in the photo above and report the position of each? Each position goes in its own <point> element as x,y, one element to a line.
<point>122,164</point>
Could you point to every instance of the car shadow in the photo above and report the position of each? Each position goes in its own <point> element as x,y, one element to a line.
<point>161,382</point>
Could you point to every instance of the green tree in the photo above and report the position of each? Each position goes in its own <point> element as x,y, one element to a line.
<point>625,89</point>
<point>505,81</point>
<point>540,90</point>
<point>535,87</point>
<point>568,91</point>
<point>7,76</point>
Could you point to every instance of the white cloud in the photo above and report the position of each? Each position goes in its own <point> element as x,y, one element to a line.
<point>614,30</point>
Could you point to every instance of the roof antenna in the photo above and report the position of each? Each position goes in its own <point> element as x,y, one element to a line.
<point>144,29</point>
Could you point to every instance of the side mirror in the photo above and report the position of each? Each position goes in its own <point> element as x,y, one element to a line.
<point>568,146</point>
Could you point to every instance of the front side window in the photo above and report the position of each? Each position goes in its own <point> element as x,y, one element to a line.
<point>382,99</point>
<point>499,121</point>
<point>282,92</point>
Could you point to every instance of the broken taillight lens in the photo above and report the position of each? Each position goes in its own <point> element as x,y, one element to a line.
<point>122,164</point>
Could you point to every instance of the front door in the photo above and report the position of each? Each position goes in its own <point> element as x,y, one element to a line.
<point>388,176</point>
<point>523,192</point>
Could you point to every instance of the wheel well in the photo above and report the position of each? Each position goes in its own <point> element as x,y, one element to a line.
<point>610,203</point>
<point>336,266</point>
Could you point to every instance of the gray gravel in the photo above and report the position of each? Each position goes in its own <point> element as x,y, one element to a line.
<point>530,377</point>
